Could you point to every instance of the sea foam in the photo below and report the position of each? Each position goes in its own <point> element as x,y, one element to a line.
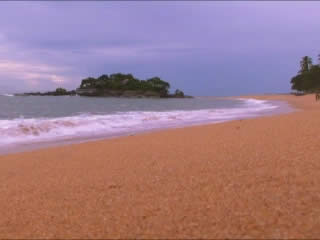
<point>37,130</point>
<point>6,95</point>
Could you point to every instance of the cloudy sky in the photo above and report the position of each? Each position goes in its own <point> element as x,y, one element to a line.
<point>204,48</point>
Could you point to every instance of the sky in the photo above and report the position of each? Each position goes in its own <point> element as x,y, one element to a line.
<point>204,48</point>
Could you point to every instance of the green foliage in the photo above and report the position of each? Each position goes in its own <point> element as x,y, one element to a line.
<point>305,64</point>
<point>119,81</point>
<point>308,78</point>
<point>61,91</point>
<point>179,93</point>
<point>88,83</point>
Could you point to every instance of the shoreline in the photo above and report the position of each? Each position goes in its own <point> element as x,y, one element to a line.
<point>283,107</point>
<point>250,178</point>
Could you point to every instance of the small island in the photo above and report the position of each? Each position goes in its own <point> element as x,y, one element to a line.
<point>117,85</point>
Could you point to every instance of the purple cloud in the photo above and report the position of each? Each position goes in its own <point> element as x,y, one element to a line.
<point>207,48</point>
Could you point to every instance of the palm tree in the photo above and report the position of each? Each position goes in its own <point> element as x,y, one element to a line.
<point>305,64</point>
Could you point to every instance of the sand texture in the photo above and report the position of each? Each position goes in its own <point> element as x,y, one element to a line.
<point>254,178</point>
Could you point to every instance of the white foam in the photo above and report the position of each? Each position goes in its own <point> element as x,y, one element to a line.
<point>20,130</point>
<point>7,95</point>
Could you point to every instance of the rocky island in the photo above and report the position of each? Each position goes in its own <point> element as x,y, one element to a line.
<point>117,85</point>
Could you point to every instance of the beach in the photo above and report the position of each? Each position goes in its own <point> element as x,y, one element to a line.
<point>247,178</point>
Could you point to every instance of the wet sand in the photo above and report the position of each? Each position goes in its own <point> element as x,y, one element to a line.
<point>253,178</point>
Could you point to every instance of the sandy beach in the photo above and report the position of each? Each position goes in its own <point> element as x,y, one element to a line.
<point>251,178</point>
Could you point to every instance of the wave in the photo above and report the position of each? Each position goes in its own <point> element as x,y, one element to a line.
<point>31,130</point>
<point>6,95</point>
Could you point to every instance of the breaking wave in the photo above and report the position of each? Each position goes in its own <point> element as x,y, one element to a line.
<point>31,130</point>
<point>6,95</point>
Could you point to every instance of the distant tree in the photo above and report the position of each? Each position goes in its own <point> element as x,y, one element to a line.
<point>104,77</point>
<point>88,83</point>
<point>179,93</point>
<point>305,64</point>
<point>61,91</point>
<point>308,78</point>
<point>120,81</point>
<point>159,85</point>
<point>296,83</point>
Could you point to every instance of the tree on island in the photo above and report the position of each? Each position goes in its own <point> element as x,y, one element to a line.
<point>179,93</point>
<point>61,91</point>
<point>120,81</point>
<point>308,78</point>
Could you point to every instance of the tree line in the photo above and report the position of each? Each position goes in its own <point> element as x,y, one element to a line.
<point>119,81</point>
<point>308,78</point>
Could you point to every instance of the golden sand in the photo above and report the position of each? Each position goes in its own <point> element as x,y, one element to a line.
<point>254,178</point>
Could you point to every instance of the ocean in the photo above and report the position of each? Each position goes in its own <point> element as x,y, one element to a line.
<point>35,121</point>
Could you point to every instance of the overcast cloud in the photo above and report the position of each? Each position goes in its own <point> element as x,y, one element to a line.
<point>204,48</point>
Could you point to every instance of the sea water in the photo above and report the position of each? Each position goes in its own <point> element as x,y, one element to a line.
<point>37,120</point>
